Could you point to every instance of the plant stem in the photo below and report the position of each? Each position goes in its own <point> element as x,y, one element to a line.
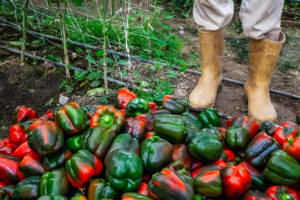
<point>104,31</point>
<point>24,29</point>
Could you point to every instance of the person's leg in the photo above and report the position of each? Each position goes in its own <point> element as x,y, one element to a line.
<point>211,17</point>
<point>261,22</point>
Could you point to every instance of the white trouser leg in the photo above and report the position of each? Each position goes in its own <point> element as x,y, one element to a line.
<point>261,18</point>
<point>213,15</point>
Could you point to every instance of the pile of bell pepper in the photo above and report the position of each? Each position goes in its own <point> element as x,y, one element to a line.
<point>140,150</point>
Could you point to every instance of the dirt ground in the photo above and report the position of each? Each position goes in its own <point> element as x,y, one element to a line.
<point>38,87</point>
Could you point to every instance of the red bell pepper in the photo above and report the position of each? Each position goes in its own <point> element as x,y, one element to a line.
<point>292,145</point>
<point>255,195</point>
<point>136,128</point>
<point>17,134</point>
<point>284,130</point>
<point>38,122</point>
<point>6,147</point>
<point>148,120</point>
<point>21,113</point>
<point>8,169</point>
<point>152,106</point>
<point>31,165</point>
<point>49,114</point>
<point>124,96</point>
<point>230,155</point>
<point>150,134</point>
<point>181,154</point>
<point>236,180</point>
<point>221,163</point>
<point>22,150</point>
<point>143,189</point>
<point>257,178</point>
<point>244,121</point>
<point>196,164</point>
<point>281,192</point>
<point>167,97</point>
<point>2,184</point>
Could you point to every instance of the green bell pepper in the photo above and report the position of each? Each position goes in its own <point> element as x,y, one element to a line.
<point>193,125</point>
<point>54,183</point>
<point>79,197</point>
<point>174,105</point>
<point>98,140</point>
<point>135,196</point>
<point>170,185</point>
<point>237,137</point>
<point>136,107</point>
<point>52,197</point>
<point>75,143</point>
<point>71,118</point>
<point>125,142</point>
<point>46,139</point>
<point>205,147</point>
<point>27,188</point>
<point>210,118</point>
<point>268,127</point>
<point>282,169</point>
<point>124,170</point>
<point>54,161</point>
<point>170,127</point>
<point>208,181</point>
<point>155,153</point>
<point>100,189</point>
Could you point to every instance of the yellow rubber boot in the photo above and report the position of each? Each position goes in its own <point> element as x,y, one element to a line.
<point>211,49</point>
<point>262,61</point>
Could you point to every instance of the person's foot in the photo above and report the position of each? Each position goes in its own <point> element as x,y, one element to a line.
<point>259,103</point>
<point>204,94</point>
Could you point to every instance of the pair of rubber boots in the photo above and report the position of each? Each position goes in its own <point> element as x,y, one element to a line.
<point>262,61</point>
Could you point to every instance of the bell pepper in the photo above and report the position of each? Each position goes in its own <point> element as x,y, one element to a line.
<point>292,145</point>
<point>59,159</point>
<point>75,143</point>
<point>98,140</point>
<point>152,106</point>
<point>22,150</point>
<point>257,178</point>
<point>31,165</point>
<point>214,131</point>
<point>170,127</point>
<point>255,195</point>
<point>6,147</point>
<point>71,118</point>
<point>79,197</point>
<point>21,113</point>
<point>17,135</point>
<point>281,192</point>
<point>210,118</point>
<point>27,189</point>
<point>245,121</point>
<point>181,154</point>
<point>268,127</point>
<point>8,169</point>
<point>100,189</point>
<point>143,189</point>
<point>236,180</point>
<point>52,197</point>
<point>38,122</point>
<point>109,118</point>
<point>125,142</point>
<point>124,97</point>
<point>208,180</point>
<point>260,149</point>
<point>82,166</point>
<point>135,196</point>
<point>230,156</point>
<point>49,113</point>
<point>282,169</point>
<point>284,130</point>
<point>237,137</point>
<point>147,119</point>
<point>54,183</point>
<point>136,107</point>
<point>174,105</point>
<point>136,128</point>
<point>205,147</point>
<point>169,185</point>
<point>298,117</point>
<point>157,113</point>
<point>155,153</point>
<point>196,164</point>
<point>46,139</point>
<point>124,170</point>
<point>89,110</point>
<point>193,125</point>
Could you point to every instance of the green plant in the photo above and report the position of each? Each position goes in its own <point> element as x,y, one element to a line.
<point>184,7</point>
<point>68,85</point>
